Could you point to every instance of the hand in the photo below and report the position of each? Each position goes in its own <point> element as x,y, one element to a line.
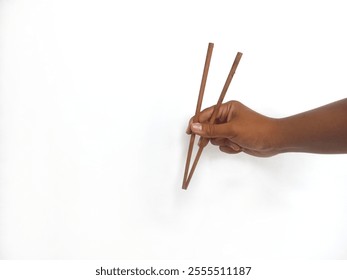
<point>238,128</point>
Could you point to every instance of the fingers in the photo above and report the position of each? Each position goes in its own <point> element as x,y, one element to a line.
<point>222,113</point>
<point>188,130</point>
<point>220,141</point>
<point>205,115</point>
<point>235,147</point>
<point>225,142</point>
<point>228,150</point>
<point>207,130</point>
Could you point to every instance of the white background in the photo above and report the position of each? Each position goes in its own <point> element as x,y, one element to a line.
<point>94,101</point>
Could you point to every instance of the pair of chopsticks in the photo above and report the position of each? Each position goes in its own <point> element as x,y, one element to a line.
<point>204,141</point>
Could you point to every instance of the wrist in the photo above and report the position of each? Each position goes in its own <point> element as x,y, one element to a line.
<point>283,137</point>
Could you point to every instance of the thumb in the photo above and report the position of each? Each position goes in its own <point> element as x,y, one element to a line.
<point>212,130</point>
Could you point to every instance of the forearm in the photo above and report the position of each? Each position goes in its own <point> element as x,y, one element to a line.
<point>321,130</point>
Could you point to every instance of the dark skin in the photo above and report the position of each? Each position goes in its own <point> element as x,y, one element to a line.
<point>240,129</point>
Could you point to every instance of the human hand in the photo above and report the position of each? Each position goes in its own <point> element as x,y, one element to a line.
<point>238,128</point>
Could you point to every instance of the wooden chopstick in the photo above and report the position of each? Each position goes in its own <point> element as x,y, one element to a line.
<point>204,141</point>
<point>198,108</point>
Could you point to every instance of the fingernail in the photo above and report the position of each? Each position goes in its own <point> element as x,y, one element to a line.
<point>197,126</point>
<point>235,147</point>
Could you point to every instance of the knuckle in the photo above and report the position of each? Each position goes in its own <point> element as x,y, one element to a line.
<point>235,105</point>
<point>210,130</point>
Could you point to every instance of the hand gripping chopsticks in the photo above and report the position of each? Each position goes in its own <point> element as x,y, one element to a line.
<point>204,141</point>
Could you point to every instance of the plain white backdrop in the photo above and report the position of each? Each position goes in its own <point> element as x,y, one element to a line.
<point>95,97</point>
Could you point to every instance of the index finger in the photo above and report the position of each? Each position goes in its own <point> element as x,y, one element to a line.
<point>221,116</point>
<point>205,115</point>
<point>202,117</point>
